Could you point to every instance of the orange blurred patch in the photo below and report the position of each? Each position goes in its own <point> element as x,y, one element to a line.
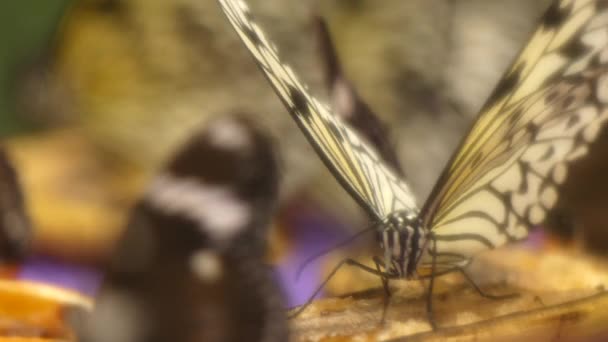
<point>36,312</point>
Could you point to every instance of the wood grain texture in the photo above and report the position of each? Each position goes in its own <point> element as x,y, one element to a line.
<point>561,298</point>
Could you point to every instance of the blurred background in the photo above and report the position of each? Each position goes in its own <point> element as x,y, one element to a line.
<point>27,30</point>
<point>95,94</point>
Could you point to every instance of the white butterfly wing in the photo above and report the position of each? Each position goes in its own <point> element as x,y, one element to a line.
<point>543,115</point>
<point>352,160</point>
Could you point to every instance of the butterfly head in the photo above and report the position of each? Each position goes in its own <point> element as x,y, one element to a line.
<point>401,238</point>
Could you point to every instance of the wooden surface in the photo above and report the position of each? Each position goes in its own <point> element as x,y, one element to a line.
<point>561,297</point>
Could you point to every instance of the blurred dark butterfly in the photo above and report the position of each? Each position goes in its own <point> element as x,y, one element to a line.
<point>189,266</point>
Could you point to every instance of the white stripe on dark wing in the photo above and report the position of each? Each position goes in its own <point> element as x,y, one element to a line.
<point>217,209</point>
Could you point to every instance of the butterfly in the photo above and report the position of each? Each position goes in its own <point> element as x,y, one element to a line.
<point>505,175</point>
<point>15,226</point>
<point>189,266</point>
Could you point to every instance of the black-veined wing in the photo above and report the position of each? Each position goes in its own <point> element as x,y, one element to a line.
<point>544,113</point>
<point>355,163</point>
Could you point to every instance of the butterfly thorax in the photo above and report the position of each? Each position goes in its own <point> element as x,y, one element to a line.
<point>402,239</point>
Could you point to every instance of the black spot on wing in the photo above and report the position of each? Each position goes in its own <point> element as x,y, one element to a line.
<point>505,86</point>
<point>548,154</point>
<point>574,49</point>
<point>573,120</point>
<point>300,104</point>
<point>555,15</point>
<point>532,129</point>
<point>601,5</point>
<point>251,35</point>
<point>567,102</point>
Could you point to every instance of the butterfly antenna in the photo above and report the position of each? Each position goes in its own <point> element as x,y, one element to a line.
<point>332,248</point>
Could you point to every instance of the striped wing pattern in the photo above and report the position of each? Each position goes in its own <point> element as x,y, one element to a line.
<point>544,113</point>
<point>356,165</point>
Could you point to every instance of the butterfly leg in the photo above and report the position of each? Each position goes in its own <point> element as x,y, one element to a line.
<point>387,290</point>
<point>480,291</point>
<point>350,262</point>
<point>429,298</point>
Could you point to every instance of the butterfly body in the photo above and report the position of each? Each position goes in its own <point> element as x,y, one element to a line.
<point>403,240</point>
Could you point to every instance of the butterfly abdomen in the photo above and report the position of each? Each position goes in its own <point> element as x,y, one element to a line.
<point>403,240</point>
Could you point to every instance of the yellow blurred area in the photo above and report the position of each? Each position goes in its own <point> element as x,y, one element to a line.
<point>77,201</point>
